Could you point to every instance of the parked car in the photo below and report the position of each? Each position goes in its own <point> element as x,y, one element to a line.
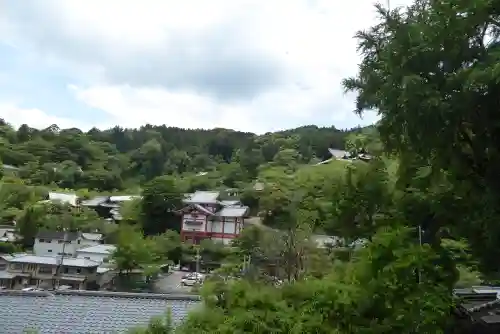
<point>30,288</point>
<point>192,278</point>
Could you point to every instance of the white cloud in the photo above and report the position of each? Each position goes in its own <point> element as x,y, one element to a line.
<point>16,115</point>
<point>147,61</point>
<point>132,106</point>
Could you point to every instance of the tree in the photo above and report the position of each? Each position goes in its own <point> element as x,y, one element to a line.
<point>8,248</point>
<point>160,199</point>
<point>378,292</point>
<point>360,202</point>
<point>29,223</point>
<point>413,62</point>
<point>133,251</point>
<point>168,246</point>
<point>431,71</point>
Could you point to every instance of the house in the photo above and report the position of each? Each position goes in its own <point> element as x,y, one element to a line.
<point>207,217</point>
<point>8,234</point>
<point>54,243</point>
<point>346,156</point>
<point>98,253</point>
<point>108,206</point>
<point>83,312</point>
<point>478,310</point>
<point>71,199</point>
<point>48,271</point>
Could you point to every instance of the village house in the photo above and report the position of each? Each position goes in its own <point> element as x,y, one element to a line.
<point>22,270</point>
<point>63,198</point>
<point>345,156</point>
<point>8,234</point>
<point>98,253</point>
<point>478,310</point>
<point>206,216</point>
<point>108,206</point>
<point>62,243</point>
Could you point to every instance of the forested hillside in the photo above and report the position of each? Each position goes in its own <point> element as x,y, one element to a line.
<point>117,159</point>
<point>426,207</point>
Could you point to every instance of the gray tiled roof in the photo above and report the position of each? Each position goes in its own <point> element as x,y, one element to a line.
<point>92,236</point>
<point>58,235</point>
<point>233,211</point>
<point>52,260</point>
<point>98,249</point>
<point>86,312</point>
<point>203,197</point>
<point>230,203</point>
<point>96,201</point>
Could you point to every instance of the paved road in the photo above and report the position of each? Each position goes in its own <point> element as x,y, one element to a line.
<point>171,283</point>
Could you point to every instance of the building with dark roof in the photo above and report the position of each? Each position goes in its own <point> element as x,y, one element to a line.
<point>83,312</point>
<point>108,206</point>
<point>478,310</point>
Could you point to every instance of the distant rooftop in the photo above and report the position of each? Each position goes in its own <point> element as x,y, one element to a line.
<point>230,203</point>
<point>58,235</point>
<point>123,198</point>
<point>98,249</point>
<point>203,197</point>
<point>64,198</point>
<point>52,260</point>
<point>83,312</point>
<point>339,154</point>
<point>92,236</point>
<point>232,211</point>
<point>10,167</point>
<point>95,201</point>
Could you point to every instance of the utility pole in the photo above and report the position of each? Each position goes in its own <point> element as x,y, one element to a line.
<point>197,259</point>
<point>60,261</point>
<point>420,243</point>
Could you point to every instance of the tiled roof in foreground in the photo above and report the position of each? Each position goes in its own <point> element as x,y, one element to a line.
<point>84,312</point>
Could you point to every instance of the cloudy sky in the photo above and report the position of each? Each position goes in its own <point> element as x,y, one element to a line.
<point>250,65</point>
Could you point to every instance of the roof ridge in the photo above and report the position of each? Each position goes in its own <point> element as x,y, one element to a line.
<point>87,293</point>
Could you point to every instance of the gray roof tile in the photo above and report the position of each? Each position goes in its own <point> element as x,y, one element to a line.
<point>233,211</point>
<point>96,201</point>
<point>58,235</point>
<point>84,312</point>
<point>203,197</point>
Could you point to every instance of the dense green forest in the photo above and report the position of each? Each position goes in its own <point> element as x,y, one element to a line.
<point>118,158</point>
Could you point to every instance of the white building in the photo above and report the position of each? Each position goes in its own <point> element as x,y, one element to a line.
<point>54,243</point>
<point>71,199</point>
<point>98,253</point>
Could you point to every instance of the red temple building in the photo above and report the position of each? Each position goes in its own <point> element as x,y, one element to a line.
<point>205,216</point>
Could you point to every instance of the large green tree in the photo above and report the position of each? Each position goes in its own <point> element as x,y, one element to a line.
<point>161,198</point>
<point>431,72</point>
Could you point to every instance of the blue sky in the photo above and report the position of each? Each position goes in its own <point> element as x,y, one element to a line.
<point>253,66</point>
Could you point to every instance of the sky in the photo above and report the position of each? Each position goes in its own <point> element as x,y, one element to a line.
<point>248,65</point>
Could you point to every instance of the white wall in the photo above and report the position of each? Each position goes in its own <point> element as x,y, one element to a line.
<point>216,226</point>
<point>199,227</point>
<point>229,226</point>
<point>54,247</point>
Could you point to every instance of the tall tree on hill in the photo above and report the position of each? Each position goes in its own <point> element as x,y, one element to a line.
<point>160,199</point>
<point>432,73</point>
